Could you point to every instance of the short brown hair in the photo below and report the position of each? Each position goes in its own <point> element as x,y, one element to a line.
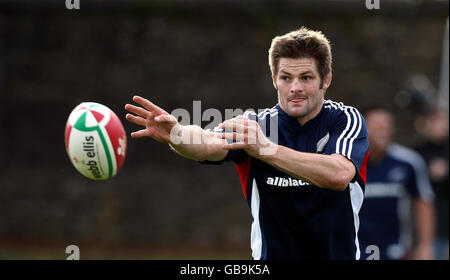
<point>302,43</point>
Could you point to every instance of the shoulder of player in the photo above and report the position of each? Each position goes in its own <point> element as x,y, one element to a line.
<point>338,111</point>
<point>338,107</point>
<point>407,155</point>
<point>417,165</point>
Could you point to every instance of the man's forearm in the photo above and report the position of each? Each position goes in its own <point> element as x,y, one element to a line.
<point>325,171</point>
<point>198,144</point>
<point>424,216</point>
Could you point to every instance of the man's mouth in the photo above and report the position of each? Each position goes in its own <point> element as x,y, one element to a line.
<point>297,99</point>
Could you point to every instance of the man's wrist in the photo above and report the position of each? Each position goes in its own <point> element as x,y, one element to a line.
<point>427,243</point>
<point>176,135</point>
<point>268,153</point>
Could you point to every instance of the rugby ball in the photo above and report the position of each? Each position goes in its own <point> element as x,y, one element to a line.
<point>95,140</point>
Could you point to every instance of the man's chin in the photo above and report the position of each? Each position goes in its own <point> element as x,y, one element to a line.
<point>295,112</point>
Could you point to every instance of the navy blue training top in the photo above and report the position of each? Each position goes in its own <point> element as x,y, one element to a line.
<point>293,219</point>
<point>386,214</point>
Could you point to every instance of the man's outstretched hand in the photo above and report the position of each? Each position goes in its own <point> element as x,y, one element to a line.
<point>157,122</point>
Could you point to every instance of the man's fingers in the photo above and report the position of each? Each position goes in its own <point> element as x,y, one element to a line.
<point>140,133</point>
<point>165,118</point>
<point>137,110</point>
<point>234,125</point>
<point>234,146</point>
<point>233,136</point>
<point>147,104</point>
<point>136,120</point>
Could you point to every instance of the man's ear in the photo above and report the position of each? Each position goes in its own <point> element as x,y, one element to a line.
<point>327,81</point>
<point>274,81</point>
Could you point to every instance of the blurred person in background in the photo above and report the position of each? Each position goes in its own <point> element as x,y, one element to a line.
<point>397,186</point>
<point>434,149</point>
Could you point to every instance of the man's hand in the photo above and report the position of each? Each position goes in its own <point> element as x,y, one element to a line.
<point>158,123</point>
<point>249,135</point>
<point>423,252</point>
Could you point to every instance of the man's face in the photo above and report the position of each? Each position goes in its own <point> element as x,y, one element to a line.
<point>381,129</point>
<point>298,85</point>
<point>437,127</point>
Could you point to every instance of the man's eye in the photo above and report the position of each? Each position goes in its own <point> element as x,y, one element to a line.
<point>306,78</point>
<point>285,78</point>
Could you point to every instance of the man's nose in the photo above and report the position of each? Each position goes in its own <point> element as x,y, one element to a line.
<point>296,86</point>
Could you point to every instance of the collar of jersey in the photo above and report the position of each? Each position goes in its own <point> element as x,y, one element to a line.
<point>294,124</point>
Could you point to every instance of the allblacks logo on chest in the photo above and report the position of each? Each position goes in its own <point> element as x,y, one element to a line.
<point>285,182</point>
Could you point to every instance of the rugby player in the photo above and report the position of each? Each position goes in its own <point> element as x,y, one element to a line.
<point>397,182</point>
<point>305,186</point>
